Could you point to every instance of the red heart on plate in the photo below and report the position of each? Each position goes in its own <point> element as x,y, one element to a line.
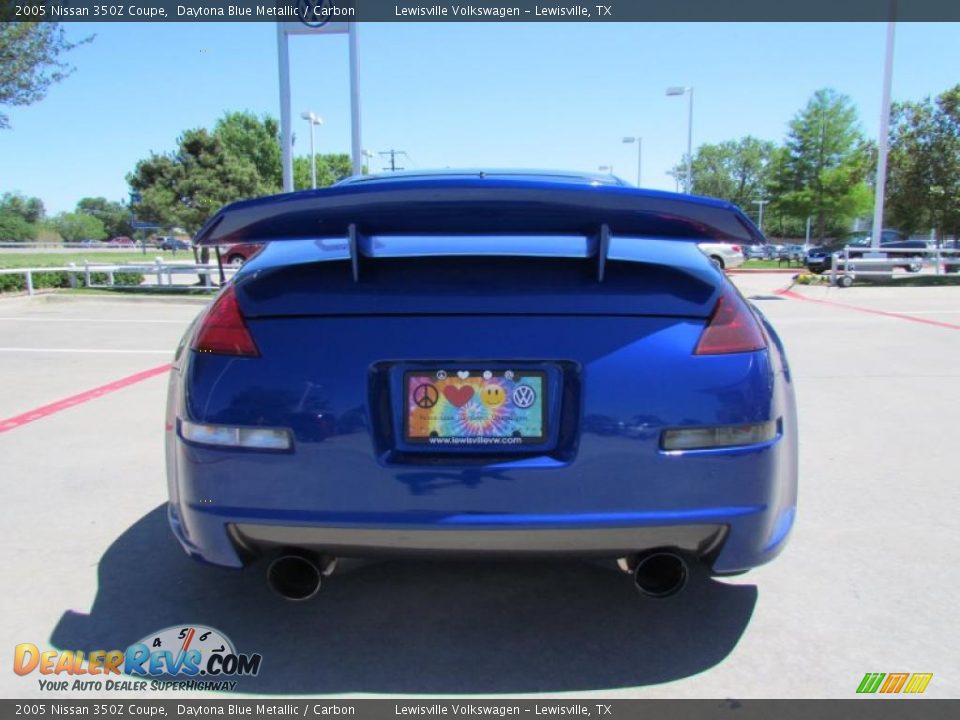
<point>458,396</point>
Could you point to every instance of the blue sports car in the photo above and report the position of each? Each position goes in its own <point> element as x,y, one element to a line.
<point>481,363</point>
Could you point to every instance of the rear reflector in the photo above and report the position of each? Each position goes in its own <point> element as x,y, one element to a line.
<point>704,438</point>
<point>223,330</point>
<point>241,437</point>
<point>732,328</point>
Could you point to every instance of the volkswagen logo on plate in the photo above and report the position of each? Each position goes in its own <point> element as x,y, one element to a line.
<point>524,396</point>
<point>310,10</point>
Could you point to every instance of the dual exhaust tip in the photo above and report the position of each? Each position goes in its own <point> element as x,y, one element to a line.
<point>659,573</point>
<point>299,576</point>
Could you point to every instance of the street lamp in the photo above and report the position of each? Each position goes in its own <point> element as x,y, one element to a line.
<point>671,91</point>
<point>606,169</point>
<point>314,120</point>
<point>367,156</point>
<point>639,141</point>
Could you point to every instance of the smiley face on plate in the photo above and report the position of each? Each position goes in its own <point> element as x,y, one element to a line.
<point>492,395</point>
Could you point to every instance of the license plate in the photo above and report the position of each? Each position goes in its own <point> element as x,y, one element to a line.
<point>468,409</point>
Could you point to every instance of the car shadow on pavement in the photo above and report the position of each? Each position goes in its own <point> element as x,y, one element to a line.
<point>417,626</point>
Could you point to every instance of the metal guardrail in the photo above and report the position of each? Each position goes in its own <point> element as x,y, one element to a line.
<point>101,246</point>
<point>860,265</point>
<point>159,268</point>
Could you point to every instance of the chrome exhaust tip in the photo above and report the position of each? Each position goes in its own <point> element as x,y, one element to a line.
<point>660,574</point>
<point>295,577</point>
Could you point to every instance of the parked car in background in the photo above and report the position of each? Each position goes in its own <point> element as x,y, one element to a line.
<point>478,375</point>
<point>726,255</point>
<point>755,252</point>
<point>237,255</point>
<point>121,241</point>
<point>951,261</point>
<point>174,244</point>
<point>819,259</point>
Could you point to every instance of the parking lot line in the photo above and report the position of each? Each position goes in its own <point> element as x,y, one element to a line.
<point>135,321</point>
<point>134,351</point>
<point>926,321</point>
<point>55,407</point>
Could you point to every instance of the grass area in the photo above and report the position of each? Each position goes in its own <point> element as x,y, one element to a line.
<point>103,257</point>
<point>144,290</point>
<point>768,264</point>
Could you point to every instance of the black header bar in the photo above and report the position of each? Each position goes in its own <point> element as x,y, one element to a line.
<point>320,12</point>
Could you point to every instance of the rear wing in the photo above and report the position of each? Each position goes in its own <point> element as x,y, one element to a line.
<point>477,205</point>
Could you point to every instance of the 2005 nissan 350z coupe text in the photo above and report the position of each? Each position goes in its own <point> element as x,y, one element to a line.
<point>481,363</point>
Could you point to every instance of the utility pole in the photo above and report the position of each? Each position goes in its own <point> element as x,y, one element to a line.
<point>393,158</point>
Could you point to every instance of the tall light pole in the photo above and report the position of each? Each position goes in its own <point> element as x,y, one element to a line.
<point>314,120</point>
<point>286,124</point>
<point>884,138</point>
<point>606,169</point>
<point>639,141</point>
<point>671,91</point>
<point>761,202</point>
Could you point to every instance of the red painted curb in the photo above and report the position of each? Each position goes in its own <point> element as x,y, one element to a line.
<point>55,407</point>
<point>884,313</point>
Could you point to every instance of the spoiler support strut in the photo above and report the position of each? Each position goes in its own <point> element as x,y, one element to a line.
<point>353,247</point>
<point>223,278</point>
<point>603,249</point>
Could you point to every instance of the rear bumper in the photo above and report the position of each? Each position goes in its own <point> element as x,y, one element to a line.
<point>728,540</point>
<point>698,540</point>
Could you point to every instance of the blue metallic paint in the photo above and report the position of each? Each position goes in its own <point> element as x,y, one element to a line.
<point>329,371</point>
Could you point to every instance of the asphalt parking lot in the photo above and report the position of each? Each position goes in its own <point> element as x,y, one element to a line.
<point>867,584</point>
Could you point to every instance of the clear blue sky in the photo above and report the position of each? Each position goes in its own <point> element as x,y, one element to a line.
<point>538,95</point>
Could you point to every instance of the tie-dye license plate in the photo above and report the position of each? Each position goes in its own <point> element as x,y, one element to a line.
<point>476,408</point>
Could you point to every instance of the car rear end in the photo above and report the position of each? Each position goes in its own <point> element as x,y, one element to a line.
<point>475,389</point>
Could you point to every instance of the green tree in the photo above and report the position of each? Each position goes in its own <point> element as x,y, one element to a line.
<point>734,170</point>
<point>31,61</point>
<point>29,208</point>
<point>13,228</point>
<point>186,187</point>
<point>256,140</point>
<point>238,159</point>
<point>115,216</point>
<point>823,169</point>
<point>77,226</point>
<point>923,177</point>
<point>20,217</point>
<point>330,169</point>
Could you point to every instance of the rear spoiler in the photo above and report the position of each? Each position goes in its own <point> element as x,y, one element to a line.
<point>471,206</point>
<point>360,250</point>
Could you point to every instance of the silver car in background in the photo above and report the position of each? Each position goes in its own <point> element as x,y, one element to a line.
<point>726,255</point>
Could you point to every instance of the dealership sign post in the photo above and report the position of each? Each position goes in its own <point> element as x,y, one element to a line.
<point>317,17</point>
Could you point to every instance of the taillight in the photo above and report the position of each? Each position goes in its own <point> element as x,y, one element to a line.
<point>223,330</point>
<point>732,328</point>
<point>737,249</point>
